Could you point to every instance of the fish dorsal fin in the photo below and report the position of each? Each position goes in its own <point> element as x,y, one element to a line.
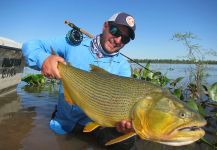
<point>90,127</point>
<point>98,69</point>
<point>121,138</point>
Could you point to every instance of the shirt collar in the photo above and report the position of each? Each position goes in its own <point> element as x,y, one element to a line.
<point>97,49</point>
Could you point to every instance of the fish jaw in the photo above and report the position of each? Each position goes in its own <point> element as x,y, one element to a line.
<point>184,135</point>
<point>160,121</point>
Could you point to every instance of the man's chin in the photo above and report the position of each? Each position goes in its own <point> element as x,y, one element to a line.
<point>111,49</point>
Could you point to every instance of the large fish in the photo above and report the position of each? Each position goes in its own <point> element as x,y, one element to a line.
<point>155,113</point>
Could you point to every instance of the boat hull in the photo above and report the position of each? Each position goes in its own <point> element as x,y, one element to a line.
<point>11,68</point>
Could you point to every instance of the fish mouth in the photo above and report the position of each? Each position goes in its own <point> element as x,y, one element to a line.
<point>191,128</point>
<point>185,135</point>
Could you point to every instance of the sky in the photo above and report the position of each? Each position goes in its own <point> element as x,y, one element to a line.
<point>156,22</point>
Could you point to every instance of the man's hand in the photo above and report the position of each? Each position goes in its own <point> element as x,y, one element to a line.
<point>49,67</point>
<point>124,126</point>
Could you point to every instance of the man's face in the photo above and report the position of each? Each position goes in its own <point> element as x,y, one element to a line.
<point>114,37</point>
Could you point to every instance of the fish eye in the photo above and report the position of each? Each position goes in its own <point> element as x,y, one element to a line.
<point>182,114</point>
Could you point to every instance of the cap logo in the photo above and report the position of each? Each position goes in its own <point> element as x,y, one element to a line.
<point>130,21</point>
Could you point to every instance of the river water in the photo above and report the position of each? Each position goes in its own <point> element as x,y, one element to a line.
<point>24,124</point>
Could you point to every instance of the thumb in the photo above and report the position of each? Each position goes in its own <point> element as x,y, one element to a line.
<point>61,60</point>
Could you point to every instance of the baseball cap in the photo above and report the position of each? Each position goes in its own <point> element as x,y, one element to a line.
<point>125,19</point>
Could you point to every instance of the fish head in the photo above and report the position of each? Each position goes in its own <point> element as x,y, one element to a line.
<point>163,118</point>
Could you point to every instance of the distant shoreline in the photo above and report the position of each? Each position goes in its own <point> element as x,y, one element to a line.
<point>171,61</point>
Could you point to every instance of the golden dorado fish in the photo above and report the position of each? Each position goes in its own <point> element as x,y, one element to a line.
<point>107,99</point>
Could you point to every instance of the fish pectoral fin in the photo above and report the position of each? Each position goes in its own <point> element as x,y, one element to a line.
<point>67,96</point>
<point>98,69</point>
<point>90,127</point>
<point>121,138</point>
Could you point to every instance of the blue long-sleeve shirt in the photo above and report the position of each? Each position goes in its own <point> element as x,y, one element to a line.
<point>35,52</point>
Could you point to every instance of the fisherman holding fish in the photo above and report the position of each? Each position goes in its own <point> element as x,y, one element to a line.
<point>102,51</point>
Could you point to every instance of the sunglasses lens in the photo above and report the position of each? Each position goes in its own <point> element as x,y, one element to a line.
<point>117,33</point>
<point>114,31</point>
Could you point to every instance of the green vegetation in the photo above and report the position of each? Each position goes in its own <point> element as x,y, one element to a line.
<point>34,79</point>
<point>38,80</point>
<point>37,83</point>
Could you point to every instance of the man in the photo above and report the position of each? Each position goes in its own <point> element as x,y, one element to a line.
<point>102,51</point>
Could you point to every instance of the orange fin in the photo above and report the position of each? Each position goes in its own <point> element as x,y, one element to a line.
<point>121,138</point>
<point>90,127</point>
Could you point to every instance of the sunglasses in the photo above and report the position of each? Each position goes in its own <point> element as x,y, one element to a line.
<point>117,33</point>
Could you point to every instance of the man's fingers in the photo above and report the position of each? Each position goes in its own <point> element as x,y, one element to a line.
<point>49,67</point>
<point>61,60</point>
<point>128,125</point>
<point>124,126</point>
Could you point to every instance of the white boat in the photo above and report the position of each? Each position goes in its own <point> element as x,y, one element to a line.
<point>11,65</point>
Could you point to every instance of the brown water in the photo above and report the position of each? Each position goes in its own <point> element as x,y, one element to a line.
<point>24,125</point>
